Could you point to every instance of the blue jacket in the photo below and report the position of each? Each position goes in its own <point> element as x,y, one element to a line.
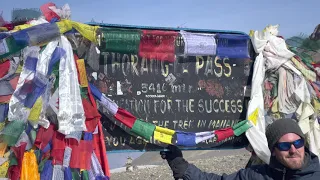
<point>274,171</point>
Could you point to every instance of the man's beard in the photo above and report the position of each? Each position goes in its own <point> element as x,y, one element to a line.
<point>293,161</point>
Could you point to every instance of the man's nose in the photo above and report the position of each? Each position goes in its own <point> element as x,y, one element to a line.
<point>292,149</point>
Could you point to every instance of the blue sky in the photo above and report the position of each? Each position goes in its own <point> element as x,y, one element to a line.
<point>294,16</point>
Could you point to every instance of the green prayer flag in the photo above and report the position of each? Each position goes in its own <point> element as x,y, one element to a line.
<point>120,40</point>
<point>241,129</point>
<point>84,92</point>
<point>13,160</point>
<point>75,174</point>
<point>13,47</point>
<point>37,152</point>
<point>12,132</point>
<point>275,90</point>
<point>85,175</point>
<point>143,129</point>
<point>239,124</point>
<point>306,47</point>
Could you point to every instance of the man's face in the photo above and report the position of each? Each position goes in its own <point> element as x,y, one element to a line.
<point>294,157</point>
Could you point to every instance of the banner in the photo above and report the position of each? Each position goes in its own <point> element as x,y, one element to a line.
<point>191,94</point>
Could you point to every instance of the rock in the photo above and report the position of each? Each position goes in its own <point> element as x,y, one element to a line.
<point>316,33</point>
<point>129,169</point>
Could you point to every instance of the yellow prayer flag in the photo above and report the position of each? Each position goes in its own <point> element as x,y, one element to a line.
<point>275,107</point>
<point>7,154</point>
<point>29,168</point>
<point>82,73</point>
<point>253,117</point>
<point>19,69</point>
<point>64,25</point>
<point>2,125</point>
<point>163,134</point>
<point>251,33</point>
<point>87,31</point>
<point>308,74</point>
<point>316,105</point>
<point>21,27</point>
<point>4,169</point>
<point>3,29</point>
<point>35,110</point>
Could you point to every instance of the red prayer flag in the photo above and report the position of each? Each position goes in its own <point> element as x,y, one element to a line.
<point>91,112</point>
<point>5,99</point>
<point>125,117</point>
<point>223,133</point>
<point>158,45</point>
<point>4,67</point>
<point>98,141</point>
<point>100,150</point>
<point>81,155</point>
<point>44,136</point>
<point>48,13</point>
<point>13,82</point>
<point>92,115</point>
<point>58,146</point>
<point>316,65</point>
<point>14,171</point>
<point>9,26</point>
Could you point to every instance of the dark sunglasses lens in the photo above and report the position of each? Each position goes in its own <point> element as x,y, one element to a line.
<point>284,146</point>
<point>298,143</point>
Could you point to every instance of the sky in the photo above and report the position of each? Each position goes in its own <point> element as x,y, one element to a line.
<point>293,16</point>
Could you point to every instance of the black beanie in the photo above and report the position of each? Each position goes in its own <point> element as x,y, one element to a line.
<point>281,127</point>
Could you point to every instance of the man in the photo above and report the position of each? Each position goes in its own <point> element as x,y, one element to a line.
<point>290,158</point>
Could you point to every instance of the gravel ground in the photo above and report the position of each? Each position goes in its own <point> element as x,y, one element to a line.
<point>218,165</point>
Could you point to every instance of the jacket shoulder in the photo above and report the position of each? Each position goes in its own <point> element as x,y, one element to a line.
<point>257,172</point>
<point>254,172</point>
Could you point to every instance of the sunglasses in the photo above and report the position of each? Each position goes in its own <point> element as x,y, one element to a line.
<point>285,146</point>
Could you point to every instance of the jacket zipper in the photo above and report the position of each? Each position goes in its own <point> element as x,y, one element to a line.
<point>284,174</point>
